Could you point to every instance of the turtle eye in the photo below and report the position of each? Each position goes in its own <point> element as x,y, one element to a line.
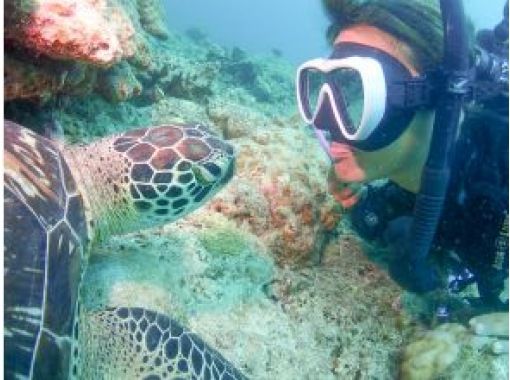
<point>202,175</point>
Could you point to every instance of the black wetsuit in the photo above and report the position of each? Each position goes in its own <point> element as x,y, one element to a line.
<point>475,213</point>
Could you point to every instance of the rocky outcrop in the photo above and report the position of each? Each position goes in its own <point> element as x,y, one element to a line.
<point>118,83</point>
<point>50,45</point>
<point>151,18</point>
<point>42,79</point>
<point>79,30</point>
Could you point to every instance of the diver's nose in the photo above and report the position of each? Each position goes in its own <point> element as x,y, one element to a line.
<point>230,171</point>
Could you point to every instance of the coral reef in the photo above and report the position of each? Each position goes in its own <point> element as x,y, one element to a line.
<point>283,200</point>
<point>50,44</point>
<point>24,80</point>
<point>68,29</point>
<point>451,351</point>
<point>151,18</point>
<point>186,79</point>
<point>429,356</point>
<point>118,83</point>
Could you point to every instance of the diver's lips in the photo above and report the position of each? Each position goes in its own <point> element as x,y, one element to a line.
<point>340,151</point>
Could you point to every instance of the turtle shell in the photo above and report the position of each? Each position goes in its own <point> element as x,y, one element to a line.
<point>44,237</point>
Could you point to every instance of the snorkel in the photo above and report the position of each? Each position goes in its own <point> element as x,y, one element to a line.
<point>413,270</point>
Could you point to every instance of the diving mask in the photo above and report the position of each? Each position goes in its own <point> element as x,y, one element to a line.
<point>361,95</point>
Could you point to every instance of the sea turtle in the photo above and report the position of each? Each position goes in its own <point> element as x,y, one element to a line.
<point>58,201</point>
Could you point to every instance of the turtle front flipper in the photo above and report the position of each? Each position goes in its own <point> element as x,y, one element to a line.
<point>135,343</point>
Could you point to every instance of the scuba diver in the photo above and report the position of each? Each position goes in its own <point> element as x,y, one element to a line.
<point>400,100</point>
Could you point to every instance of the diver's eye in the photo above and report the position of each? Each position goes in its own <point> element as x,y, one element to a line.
<point>202,175</point>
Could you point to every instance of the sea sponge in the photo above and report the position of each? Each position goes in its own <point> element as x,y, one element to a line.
<point>433,353</point>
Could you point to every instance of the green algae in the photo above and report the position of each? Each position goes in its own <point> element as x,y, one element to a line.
<point>224,241</point>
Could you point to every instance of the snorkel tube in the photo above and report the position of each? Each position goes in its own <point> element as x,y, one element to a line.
<point>412,270</point>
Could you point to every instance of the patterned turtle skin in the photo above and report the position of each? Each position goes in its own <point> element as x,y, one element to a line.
<point>57,202</point>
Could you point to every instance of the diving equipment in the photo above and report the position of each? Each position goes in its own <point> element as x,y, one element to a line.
<point>413,270</point>
<point>361,95</point>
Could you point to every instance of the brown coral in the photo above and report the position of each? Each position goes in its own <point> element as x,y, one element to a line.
<point>282,200</point>
<point>24,80</point>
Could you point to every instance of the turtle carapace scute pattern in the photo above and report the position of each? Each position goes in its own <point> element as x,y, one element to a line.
<point>59,201</point>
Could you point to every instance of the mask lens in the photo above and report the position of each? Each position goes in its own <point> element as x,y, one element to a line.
<point>348,89</point>
<point>314,80</point>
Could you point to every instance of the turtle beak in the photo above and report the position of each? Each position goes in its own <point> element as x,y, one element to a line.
<point>202,175</point>
<point>229,172</point>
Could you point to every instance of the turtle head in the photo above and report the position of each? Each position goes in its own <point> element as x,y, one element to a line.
<point>150,176</point>
<point>168,171</point>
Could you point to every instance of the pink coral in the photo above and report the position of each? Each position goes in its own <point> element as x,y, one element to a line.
<point>77,30</point>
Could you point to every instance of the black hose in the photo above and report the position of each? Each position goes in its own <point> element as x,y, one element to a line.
<point>436,174</point>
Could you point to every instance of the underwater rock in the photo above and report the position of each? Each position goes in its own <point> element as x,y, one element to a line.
<point>321,322</point>
<point>238,54</point>
<point>332,321</point>
<point>24,80</point>
<point>214,263</point>
<point>188,79</point>
<point>197,35</point>
<point>118,83</point>
<point>267,79</point>
<point>152,18</point>
<point>282,199</point>
<point>41,80</point>
<point>69,29</point>
<point>493,324</point>
<point>235,120</point>
<point>179,111</point>
<point>142,58</point>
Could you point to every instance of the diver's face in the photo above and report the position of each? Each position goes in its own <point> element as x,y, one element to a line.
<point>395,161</point>
<point>402,160</point>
